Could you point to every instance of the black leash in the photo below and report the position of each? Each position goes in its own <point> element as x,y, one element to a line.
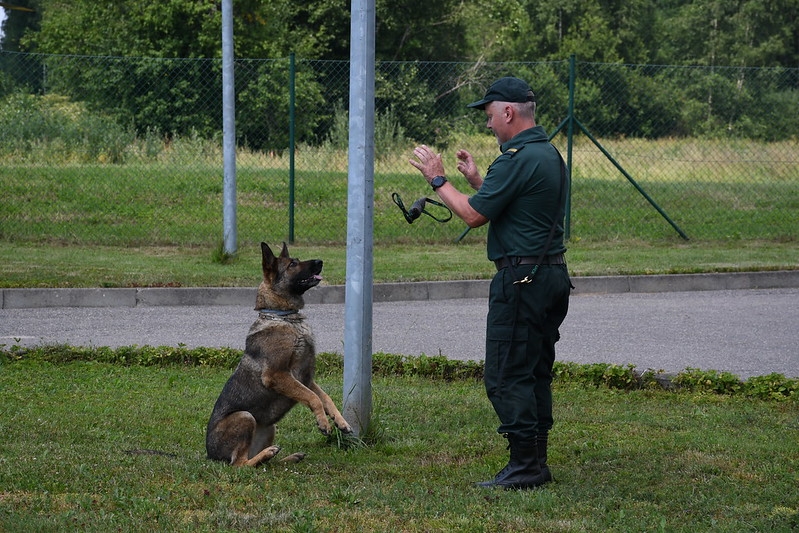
<point>418,207</point>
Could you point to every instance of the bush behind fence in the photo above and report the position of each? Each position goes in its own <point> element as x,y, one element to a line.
<point>127,151</point>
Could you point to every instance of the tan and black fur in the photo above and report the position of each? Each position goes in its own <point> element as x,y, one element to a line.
<point>275,372</point>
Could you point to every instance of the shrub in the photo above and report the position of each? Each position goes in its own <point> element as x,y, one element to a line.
<point>65,130</point>
<point>772,387</point>
<point>708,381</point>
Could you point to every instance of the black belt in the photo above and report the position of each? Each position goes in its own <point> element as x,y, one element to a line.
<point>557,259</point>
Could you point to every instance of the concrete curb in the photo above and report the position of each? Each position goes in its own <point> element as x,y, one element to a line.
<point>385,292</point>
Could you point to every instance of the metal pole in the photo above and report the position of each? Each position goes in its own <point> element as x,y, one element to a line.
<point>357,404</point>
<point>228,131</point>
<point>292,81</point>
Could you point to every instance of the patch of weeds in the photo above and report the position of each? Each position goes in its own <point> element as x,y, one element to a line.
<point>772,387</point>
<point>372,436</point>
<point>344,441</point>
<point>698,380</point>
<point>221,256</point>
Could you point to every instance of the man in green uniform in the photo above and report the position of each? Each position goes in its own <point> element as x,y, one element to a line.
<point>523,197</point>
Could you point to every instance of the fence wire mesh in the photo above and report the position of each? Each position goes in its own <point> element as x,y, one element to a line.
<point>127,151</point>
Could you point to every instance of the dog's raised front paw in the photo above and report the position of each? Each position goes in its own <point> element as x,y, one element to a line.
<point>342,424</point>
<point>324,426</point>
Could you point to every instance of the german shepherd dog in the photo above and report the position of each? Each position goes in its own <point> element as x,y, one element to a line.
<point>275,372</point>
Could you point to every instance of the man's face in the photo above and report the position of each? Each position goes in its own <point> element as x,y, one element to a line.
<point>496,120</point>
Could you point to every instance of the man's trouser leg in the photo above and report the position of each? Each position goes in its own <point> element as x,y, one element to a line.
<point>522,329</point>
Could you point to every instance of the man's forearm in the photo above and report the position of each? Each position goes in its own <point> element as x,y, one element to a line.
<point>458,202</point>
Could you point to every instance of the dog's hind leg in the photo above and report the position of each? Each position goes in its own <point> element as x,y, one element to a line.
<point>261,449</point>
<point>294,457</point>
<point>262,457</point>
<point>262,438</point>
<point>235,437</point>
<point>330,408</point>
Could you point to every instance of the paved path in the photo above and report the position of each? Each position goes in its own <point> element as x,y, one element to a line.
<point>746,331</point>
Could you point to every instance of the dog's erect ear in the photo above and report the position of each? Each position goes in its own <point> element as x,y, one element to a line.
<point>285,253</point>
<point>267,257</point>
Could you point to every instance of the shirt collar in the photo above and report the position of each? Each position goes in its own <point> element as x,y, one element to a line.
<point>534,134</point>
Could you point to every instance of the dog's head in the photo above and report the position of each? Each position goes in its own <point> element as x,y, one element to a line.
<point>285,279</point>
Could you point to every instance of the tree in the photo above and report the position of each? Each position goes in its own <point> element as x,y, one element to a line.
<point>731,33</point>
<point>189,28</point>
<point>595,30</point>
<point>21,16</point>
<point>413,31</point>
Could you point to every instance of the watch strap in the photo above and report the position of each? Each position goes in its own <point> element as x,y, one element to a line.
<point>437,182</point>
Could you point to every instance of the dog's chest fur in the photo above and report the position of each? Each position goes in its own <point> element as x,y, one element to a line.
<point>283,334</point>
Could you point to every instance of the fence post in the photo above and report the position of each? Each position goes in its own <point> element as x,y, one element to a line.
<point>228,132</point>
<point>292,92</point>
<point>570,122</point>
<point>569,146</point>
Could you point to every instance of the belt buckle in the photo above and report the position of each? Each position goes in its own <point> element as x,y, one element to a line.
<point>528,278</point>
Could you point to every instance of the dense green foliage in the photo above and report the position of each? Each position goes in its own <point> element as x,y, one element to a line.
<point>740,58</point>
<point>741,33</point>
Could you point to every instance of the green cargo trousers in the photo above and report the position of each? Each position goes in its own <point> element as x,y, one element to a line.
<point>521,332</point>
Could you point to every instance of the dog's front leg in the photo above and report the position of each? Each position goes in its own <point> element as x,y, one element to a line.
<point>285,384</point>
<point>330,408</point>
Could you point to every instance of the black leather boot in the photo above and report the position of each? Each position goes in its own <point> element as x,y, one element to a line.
<point>542,441</point>
<point>522,471</point>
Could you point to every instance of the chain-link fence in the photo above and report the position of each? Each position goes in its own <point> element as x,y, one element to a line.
<point>127,151</point>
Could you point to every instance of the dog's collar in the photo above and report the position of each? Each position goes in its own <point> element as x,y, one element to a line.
<point>277,312</point>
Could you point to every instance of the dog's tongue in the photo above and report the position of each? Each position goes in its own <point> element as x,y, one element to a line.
<point>317,276</point>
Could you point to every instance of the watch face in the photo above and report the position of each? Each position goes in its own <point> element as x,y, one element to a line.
<point>438,181</point>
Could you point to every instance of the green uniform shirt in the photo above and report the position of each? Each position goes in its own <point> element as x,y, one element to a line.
<point>519,197</point>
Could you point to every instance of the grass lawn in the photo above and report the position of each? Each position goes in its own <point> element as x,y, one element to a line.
<point>641,460</point>
<point>157,221</point>
<point>38,265</point>
<point>75,434</point>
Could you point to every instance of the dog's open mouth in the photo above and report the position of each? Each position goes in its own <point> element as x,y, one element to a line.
<point>303,284</point>
<point>309,276</point>
<point>313,281</point>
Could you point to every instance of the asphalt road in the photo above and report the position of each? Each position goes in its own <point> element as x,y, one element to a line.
<point>745,332</point>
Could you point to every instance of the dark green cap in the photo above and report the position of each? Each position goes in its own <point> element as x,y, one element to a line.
<point>506,90</point>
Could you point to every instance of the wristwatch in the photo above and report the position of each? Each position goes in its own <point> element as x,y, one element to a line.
<point>437,182</point>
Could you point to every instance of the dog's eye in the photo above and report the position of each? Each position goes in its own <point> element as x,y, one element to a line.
<point>294,263</point>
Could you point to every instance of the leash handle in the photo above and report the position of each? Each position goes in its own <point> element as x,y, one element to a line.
<point>418,207</point>
<point>439,204</point>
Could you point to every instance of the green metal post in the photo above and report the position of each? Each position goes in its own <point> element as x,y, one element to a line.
<point>292,76</point>
<point>569,145</point>
<point>631,180</point>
